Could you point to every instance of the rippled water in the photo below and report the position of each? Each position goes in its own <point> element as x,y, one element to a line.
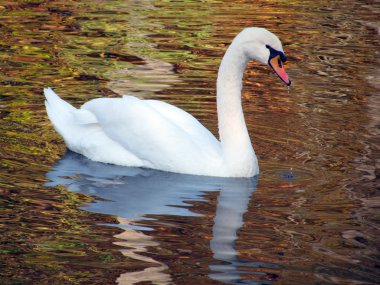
<point>310,218</point>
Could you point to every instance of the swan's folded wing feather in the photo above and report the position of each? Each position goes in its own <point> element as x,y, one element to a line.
<point>199,134</point>
<point>83,117</point>
<point>149,135</point>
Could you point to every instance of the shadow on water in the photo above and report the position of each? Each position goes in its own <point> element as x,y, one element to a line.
<point>133,193</point>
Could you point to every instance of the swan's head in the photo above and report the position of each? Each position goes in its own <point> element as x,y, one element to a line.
<point>261,45</point>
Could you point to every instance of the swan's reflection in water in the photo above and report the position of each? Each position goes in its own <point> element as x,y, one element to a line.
<point>131,193</point>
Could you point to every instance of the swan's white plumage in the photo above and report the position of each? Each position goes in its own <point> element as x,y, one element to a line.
<point>161,135</point>
<point>87,139</point>
<point>149,133</point>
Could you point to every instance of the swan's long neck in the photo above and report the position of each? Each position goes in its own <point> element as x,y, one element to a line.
<point>236,144</point>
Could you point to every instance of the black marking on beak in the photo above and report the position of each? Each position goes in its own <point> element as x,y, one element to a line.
<point>274,52</point>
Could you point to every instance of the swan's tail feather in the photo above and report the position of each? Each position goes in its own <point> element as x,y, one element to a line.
<point>60,113</point>
<point>82,133</point>
<point>55,101</point>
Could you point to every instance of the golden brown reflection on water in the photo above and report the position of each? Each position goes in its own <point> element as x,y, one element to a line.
<point>319,226</point>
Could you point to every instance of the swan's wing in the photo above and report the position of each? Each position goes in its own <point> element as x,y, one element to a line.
<point>185,121</point>
<point>84,117</point>
<point>148,130</point>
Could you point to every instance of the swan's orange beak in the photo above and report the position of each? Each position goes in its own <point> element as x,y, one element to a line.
<point>278,67</point>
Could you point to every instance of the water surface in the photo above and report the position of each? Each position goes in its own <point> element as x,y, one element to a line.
<point>310,218</point>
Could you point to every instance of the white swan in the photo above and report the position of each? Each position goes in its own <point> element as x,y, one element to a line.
<point>148,133</point>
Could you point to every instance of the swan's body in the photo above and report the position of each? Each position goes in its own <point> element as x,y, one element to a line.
<point>148,133</point>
